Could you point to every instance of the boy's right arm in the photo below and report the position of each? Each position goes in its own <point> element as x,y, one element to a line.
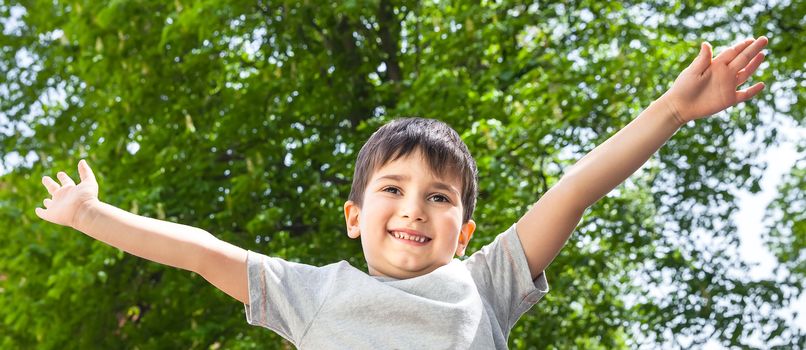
<point>182,246</point>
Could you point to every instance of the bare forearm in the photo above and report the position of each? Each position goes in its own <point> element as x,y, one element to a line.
<point>164,242</point>
<point>612,162</point>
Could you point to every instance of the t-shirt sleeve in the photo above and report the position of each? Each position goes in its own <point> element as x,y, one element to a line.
<point>503,279</point>
<point>284,296</point>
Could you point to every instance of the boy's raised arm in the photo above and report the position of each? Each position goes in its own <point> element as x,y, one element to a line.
<point>182,246</point>
<point>705,87</point>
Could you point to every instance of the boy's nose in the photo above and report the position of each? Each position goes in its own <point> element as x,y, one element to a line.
<point>413,211</point>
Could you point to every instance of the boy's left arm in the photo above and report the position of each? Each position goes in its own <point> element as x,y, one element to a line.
<point>705,87</point>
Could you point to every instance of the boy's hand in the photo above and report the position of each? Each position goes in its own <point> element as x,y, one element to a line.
<point>706,87</point>
<point>69,199</point>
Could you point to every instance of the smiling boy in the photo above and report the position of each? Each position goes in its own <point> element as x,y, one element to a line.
<point>411,204</point>
<point>411,223</point>
<point>417,185</point>
<point>413,194</point>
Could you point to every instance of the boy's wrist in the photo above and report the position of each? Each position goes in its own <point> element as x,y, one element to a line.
<point>673,109</point>
<point>85,214</point>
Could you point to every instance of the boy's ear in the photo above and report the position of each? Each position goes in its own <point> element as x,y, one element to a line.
<point>464,236</point>
<point>351,213</point>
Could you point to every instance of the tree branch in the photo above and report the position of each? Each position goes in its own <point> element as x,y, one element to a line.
<point>389,39</point>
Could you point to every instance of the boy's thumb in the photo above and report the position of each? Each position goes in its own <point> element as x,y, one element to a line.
<point>703,60</point>
<point>84,171</point>
<point>705,50</point>
<point>40,212</point>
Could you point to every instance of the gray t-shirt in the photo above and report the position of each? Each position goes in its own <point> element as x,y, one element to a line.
<point>470,304</point>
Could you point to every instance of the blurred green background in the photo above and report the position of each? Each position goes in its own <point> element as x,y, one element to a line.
<point>244,119</point>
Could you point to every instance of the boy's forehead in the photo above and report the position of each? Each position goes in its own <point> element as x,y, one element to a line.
<point>414,166</point>
<point>436,183</point>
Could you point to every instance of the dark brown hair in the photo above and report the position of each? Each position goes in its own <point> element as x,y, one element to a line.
<point>441,146</point>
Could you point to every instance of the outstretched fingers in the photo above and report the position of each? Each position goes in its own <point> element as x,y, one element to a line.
<point>746,94</point>
<point>65,179</point>
<point>53,187</point>
<point>50,185</point>
<point>751,67</point>
<point>748,53</point>
<point>727,56</point>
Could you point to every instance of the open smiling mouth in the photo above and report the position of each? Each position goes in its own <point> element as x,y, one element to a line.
<point>410,238</point>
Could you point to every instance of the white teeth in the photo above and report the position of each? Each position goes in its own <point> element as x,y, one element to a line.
<point>403,235</point>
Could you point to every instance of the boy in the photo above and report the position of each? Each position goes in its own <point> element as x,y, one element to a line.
<point>411,204</point>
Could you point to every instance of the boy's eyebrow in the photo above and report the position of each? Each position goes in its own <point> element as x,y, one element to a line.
<point>436,184</point>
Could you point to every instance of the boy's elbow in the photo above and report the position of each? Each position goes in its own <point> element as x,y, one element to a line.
<point>224,266</point>
<point>210,250</point>
<point>202,252</point>
<point>569,194</point>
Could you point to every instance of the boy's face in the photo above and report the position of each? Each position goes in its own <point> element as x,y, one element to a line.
<point>411,220</point>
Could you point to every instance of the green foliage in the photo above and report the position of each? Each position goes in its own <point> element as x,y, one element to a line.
<point>244,119</point>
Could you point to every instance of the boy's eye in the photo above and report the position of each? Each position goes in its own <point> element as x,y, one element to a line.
<point>440,198</point>
<point>435,198</point>
<point>394,190</point>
